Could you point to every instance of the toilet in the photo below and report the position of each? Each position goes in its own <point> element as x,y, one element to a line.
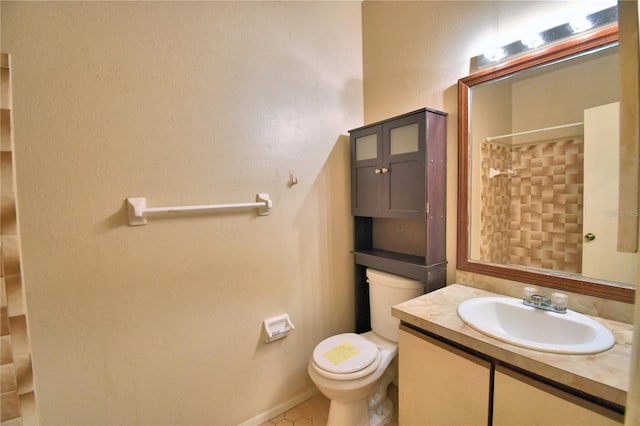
<point>354,370</point>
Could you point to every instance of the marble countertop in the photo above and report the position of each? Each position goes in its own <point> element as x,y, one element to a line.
<point>604,375</point>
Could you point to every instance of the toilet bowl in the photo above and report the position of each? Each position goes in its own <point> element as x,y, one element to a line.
<point>353,370</point>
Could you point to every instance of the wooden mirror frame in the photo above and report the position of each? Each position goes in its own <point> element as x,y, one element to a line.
<point>557,280</point>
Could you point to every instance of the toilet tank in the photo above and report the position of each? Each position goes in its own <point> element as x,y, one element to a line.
<point>385,291</point>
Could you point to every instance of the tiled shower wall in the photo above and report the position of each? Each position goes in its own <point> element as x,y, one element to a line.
<point>17,389</point>
<point>542,205</point>
<point>496,205</point>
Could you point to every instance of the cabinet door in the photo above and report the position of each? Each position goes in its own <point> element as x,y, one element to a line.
<point>403,167</point>
<point>366,165</point>
<point>520,400</point>
<point>440,385</point>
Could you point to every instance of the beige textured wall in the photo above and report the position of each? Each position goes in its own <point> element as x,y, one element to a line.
<point>182,103</point>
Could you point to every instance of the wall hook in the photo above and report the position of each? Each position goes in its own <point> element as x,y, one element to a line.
<point>293,180</point>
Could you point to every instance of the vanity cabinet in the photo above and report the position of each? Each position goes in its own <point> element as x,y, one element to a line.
<point>398,200</point>
<point>520,400</point>
<point>442,384</point>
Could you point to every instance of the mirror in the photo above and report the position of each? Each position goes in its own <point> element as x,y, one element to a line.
<point>536,160</point>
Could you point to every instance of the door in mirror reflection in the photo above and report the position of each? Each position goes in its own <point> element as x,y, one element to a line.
<point>600,258</point>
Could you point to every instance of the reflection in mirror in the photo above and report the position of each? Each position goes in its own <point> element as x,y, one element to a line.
<point>539,155</point>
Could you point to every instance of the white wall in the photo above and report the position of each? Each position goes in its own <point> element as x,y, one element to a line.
<point>182,103</point>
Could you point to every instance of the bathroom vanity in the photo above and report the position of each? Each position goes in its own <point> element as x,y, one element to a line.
<point>451,374</point>
<point>398,188</point>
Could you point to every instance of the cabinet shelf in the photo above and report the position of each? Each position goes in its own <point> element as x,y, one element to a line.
<point>397,263</point>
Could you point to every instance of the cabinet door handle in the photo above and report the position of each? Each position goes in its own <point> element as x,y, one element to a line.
<point>385,170</point>
<point>377,171</point>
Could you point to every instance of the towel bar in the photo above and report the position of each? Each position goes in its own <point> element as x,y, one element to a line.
<point>138,210</point>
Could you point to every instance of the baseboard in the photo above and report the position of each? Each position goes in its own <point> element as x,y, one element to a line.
<point>281,408</point>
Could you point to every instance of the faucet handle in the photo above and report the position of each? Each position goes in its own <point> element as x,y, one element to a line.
<point>559,300</point>
<point>528,292</point>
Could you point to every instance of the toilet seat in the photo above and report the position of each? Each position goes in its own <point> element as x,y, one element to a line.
<point>346,356</point>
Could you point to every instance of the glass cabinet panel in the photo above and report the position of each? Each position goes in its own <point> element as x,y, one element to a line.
<point>404,139</point>
<point>367,147</point>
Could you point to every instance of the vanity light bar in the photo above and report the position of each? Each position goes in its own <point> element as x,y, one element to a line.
<point>595,20</point>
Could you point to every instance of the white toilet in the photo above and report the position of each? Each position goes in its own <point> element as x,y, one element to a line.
<point>352,369</point>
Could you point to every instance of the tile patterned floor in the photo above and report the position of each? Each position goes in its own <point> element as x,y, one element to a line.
<point>314,412</point>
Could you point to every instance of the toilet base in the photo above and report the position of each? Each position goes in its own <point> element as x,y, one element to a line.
<point>376,410</point>
<point>381,415</point>
<point>357,413</point>
<point>353,413</point>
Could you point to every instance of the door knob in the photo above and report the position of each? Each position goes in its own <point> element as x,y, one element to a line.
<point>377,171</point>
<point>385,170</point>
<point>589,237</point>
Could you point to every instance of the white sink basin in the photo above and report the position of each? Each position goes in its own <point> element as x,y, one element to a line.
<point>509,320</point>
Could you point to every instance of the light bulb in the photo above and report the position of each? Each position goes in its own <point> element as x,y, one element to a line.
<point>495,54</point>
<point>579,24</point>
<point>532,41</point>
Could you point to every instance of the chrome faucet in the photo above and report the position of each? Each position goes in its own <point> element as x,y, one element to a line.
<point>556,303</point>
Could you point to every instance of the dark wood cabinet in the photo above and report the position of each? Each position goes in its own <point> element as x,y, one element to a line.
<point>398,175</point>
<point>388,168</point>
